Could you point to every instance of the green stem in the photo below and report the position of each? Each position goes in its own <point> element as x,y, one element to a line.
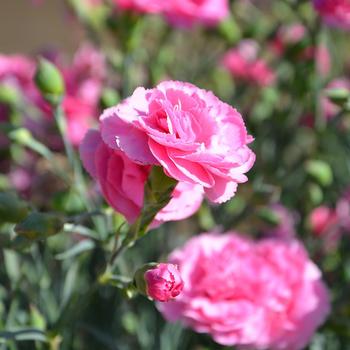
<point>75,165</point>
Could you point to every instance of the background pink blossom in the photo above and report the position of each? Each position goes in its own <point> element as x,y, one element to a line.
<point>335,12</point>
<point>255,295</point>
<point>243,64</point>
<point>181,13</point>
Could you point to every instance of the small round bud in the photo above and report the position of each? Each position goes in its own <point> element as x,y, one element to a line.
<point>320,171</point>
<point>338,96</point>
<point>49,81</point>
<point>161,282</point>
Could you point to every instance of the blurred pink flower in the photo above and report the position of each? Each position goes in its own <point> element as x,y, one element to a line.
<point>86,76</point>
<point>290,35</point>
<point>335,13</point>
<point>243,64</point>
<point>142,6</point>
<point>21,179</point>
<point>321,55</point>
<point>17,70</point>
<point>194,136</point>
<point>186,13</point>
<point>323,219</point>
<point>163,282</point>
<point>84,81</point>
<point>117,174</point>
<point>253,295</point>
<point>181,13</point>
<point>331,223</point>
<point>79,115</point>
<point>286,36</point>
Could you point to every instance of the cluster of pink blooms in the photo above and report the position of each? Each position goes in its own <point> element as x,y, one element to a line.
<point>84,80</point>
<point>335,13</point>
<point>331,223</point>
<point>254,295</point>
<point>243,64</point>
<point>181,13</point>
<point>198,140</point>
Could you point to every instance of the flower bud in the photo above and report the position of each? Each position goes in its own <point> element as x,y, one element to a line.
<point>49,81</point>
<point>338,96</point>
<point>9,95</point>
<point>320,171</point>
<point>161,282</point>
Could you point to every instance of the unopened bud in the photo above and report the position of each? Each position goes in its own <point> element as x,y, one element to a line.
<point>161,282</point>
<point>320,171</point>
<point>338,96</point>
<point>9,95</point>
<point>49,81</point>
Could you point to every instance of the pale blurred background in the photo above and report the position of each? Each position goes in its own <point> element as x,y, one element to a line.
<point>25,28</point>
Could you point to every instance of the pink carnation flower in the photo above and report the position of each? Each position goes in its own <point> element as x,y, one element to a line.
<point>243,64</point>
<point>253,295</point>
<point>335,13</point>
<point>181,13</point>
<point>117,174</point>
<point>194,136</point>
<point>163,282</point>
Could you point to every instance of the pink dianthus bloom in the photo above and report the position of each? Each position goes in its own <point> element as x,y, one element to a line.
<point>194,136</point>
<point>254,295</point>
<point>122,182</point>
<point>163,282</point>
<point>335,13</point>
<point>243,64</point>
